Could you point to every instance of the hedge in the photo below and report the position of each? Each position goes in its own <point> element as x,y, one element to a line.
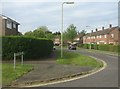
<point>32,47</point>
<point>104,47</point>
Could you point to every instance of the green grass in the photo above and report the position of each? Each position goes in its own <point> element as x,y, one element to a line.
<point>9,74</point>
<point>73,58</point>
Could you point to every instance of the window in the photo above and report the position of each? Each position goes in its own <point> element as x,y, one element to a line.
<point>97,36</point>
<point>9,24</point>
<point>100,36</point>
<point>112,35</point>
<point>105,36</point>
<point>14,25</point>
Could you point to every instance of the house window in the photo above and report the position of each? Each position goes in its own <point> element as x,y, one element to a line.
<point>14,25</point>
<point>9,24</point>
<point>100,36</point>
<point>105,36</point>
<point>97,36</point>
<point>112,35</point>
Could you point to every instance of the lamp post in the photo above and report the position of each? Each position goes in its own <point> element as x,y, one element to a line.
<point>62,27</point>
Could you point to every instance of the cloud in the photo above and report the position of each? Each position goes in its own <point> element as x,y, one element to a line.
<point>34,14</point>
<point>59,0</point>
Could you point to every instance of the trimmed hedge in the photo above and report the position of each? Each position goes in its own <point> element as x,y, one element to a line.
<point>104,47</point>
<point>32,47</point>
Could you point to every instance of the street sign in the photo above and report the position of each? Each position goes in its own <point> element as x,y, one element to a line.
<point>18,54</point>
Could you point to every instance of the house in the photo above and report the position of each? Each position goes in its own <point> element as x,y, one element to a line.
<point>110,35</point>
<point>79,38</point>
<point>57,41</point>
<point>8,26</point>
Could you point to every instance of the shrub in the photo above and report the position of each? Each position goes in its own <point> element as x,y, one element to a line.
<point>32,47</point>
<point>86,46</point>
<point>104,47</point>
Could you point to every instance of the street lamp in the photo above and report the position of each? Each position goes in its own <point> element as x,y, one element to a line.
<point>62,27</point>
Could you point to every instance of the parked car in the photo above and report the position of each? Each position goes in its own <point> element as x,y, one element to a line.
<point>72,47</point>
<point>54,48</point>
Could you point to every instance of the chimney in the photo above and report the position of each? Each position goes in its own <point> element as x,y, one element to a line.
<point>110,26</point>
<point>102,28</point>
<point>96,29</point>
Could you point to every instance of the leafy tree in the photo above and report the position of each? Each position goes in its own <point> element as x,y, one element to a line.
<point>57,33</point>
<point>29,33</point>
<point>43,28</point>
<point>41,32</point>
<point>82,32</point>
<point>50,36</point>
<point>71,33</point>
<point>38,34</point>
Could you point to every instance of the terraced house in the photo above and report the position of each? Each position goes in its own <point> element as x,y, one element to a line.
<point>8,26</point>
<point>110,35</point>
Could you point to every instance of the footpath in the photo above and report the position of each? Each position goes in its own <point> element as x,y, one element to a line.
<point>48,70</point>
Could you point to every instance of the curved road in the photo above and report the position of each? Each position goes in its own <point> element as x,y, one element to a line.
<point>105,78</point>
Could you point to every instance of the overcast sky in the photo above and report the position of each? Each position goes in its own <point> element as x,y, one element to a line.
<point>31,15</point>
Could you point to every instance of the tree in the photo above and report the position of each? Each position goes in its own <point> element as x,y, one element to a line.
<point>50,36</point>
<point>41,32</point>
<point>29,33</point>
<point>83,32</point>
<point>43,28</point>
<point>38,34</point>
<point>71,33</point>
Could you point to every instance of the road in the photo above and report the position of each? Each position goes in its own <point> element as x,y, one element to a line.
<point>106,78</point>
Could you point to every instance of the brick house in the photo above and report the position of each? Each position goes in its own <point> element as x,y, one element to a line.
<point>110,35</point>
<point>57,41</point>
<point>79,38</point>
<point>8,26</point>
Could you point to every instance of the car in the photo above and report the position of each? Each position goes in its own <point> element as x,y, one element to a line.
<point>54,48</point>
<point>72,47</point>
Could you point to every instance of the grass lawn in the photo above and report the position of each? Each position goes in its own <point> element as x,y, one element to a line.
<point>74,58</point>
<point>101,51</point>
<point>9,74</point>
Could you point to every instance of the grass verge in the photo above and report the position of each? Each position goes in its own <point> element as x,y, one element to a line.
<point>9,74</point>
<point>73,58</point>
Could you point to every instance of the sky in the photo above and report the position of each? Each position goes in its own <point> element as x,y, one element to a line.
<point>32,15</point>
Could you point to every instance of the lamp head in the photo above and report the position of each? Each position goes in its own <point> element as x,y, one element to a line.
<point>69,2</point>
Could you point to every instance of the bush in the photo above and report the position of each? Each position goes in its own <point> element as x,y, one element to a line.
<point>86,46</point>
<point>104,47</point>
<point>32,47</point>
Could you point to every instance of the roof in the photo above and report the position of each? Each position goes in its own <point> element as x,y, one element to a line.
<point>103,32</point>
<point>80,35</point>
<point>5,17</point>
